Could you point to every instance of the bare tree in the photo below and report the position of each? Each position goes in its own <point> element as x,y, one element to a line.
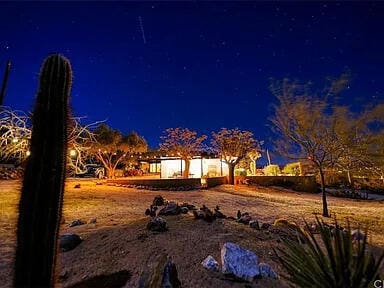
<point>184,143</point>
<point>306,126</point>
<point>15,133</point>
<point>233,145</point>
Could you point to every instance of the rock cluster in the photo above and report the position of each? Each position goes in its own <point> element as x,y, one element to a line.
<point>157,224</point>
<point>239,264</point>
<point>207,214</point>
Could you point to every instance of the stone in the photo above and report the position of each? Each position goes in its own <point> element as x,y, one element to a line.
<point>77,186</point>
<point>245,219</point>
<point>239,262</point>
<point>170,209</point>
<point>265,226</point>
<point>184,210</point>
<point>157,224</point>
<point>92,221</point>
<point>357,235</point>
<point>254,224</point>
<point>69,242</point>
<point>210,263</point>
<point>158,201</point>
<point>170,276</point>
<point>266,271</point>
<point>77,222</point>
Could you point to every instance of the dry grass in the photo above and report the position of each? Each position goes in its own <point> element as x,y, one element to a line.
<point>112,243</point>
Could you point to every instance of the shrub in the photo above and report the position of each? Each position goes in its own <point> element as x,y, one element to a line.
<point>272,170</point>
<point>292,169</point>
<point>341,262</point>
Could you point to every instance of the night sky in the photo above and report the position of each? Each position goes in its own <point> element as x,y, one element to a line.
<point>151,66</point>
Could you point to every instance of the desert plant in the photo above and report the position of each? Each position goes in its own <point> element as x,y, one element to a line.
<point>336,260</point>
<point>272,170</point>
<point>43,185</point>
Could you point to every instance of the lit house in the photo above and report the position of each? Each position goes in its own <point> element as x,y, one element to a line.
<point>173,167</point>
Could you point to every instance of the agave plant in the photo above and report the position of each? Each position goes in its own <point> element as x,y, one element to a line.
<point>333,259</point>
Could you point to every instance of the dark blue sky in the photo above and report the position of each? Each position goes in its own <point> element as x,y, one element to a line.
<point>150,66</point>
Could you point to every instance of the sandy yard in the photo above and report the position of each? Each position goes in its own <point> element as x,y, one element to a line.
<point>119,239</point>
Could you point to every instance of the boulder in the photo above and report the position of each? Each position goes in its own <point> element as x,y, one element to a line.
<point>76,222</point>
<point>184,210</point>
<point>254,224</point>
<point>157,224</point>
<point>265,226</point>
<point>239,262</point>
<point>158,201</point>
<point>170,209</point>
<point>245,219</point>
<point>92,221</point>
<point>69,242</point>
<point>266,271</point>
<point>210,263</point>
<point>170,277</point>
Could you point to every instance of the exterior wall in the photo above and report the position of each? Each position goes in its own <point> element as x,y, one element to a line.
<point>216,181</point>
<point>297,183</point>
<point>159,183</point>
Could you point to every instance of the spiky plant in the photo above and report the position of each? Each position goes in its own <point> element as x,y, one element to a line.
<point>43,185</point>
<point>333,260</point>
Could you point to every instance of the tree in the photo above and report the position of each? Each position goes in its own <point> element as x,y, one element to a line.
<point>361,136</point>
<point>233,145</point>
<point>307,126</point>
<point>111,147</point>
<point>15,135</point>
<point>184,143</point>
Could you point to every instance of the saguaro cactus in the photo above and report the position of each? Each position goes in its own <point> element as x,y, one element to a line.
<point>43,185</point>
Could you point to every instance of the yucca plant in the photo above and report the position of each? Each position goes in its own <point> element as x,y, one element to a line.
<point>334,259</point>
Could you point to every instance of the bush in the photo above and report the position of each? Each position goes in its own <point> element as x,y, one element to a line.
<point>272,170</point>
<point>292,169</point>
<point>338,261</point>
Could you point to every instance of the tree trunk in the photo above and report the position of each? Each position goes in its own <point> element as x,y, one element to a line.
<point>231,174</point>
<point>324,196</point>
<point>186,169</point>
<point>110,173</point>
<point>349,178</point>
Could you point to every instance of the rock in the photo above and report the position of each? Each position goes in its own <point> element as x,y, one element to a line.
<point>265,226</point>
<point>254,224</point>
<point>245,219</point>
<point>63,276</point>
<point>157,224</point>
<point>170,209</point>
<point>239,262</point>
<point>357,235</point>
<point>77,222</point>
<point>218,213</point>
<point>170,277</point>
<point>189,206</point>
<point>69,242</point>
<point>92,221</point>
<point>266,271</point>
<point>210,263</point>
<point>184,210</point>
<point>77,185</point>
<point>204,213</point>
<point>158,201</point>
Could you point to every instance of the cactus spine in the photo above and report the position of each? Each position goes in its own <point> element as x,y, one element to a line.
<point>43,185</point>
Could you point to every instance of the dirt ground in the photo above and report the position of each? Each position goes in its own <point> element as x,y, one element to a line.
<point>119,239</point>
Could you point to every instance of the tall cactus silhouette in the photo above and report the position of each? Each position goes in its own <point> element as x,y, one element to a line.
<point>43,185</point>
